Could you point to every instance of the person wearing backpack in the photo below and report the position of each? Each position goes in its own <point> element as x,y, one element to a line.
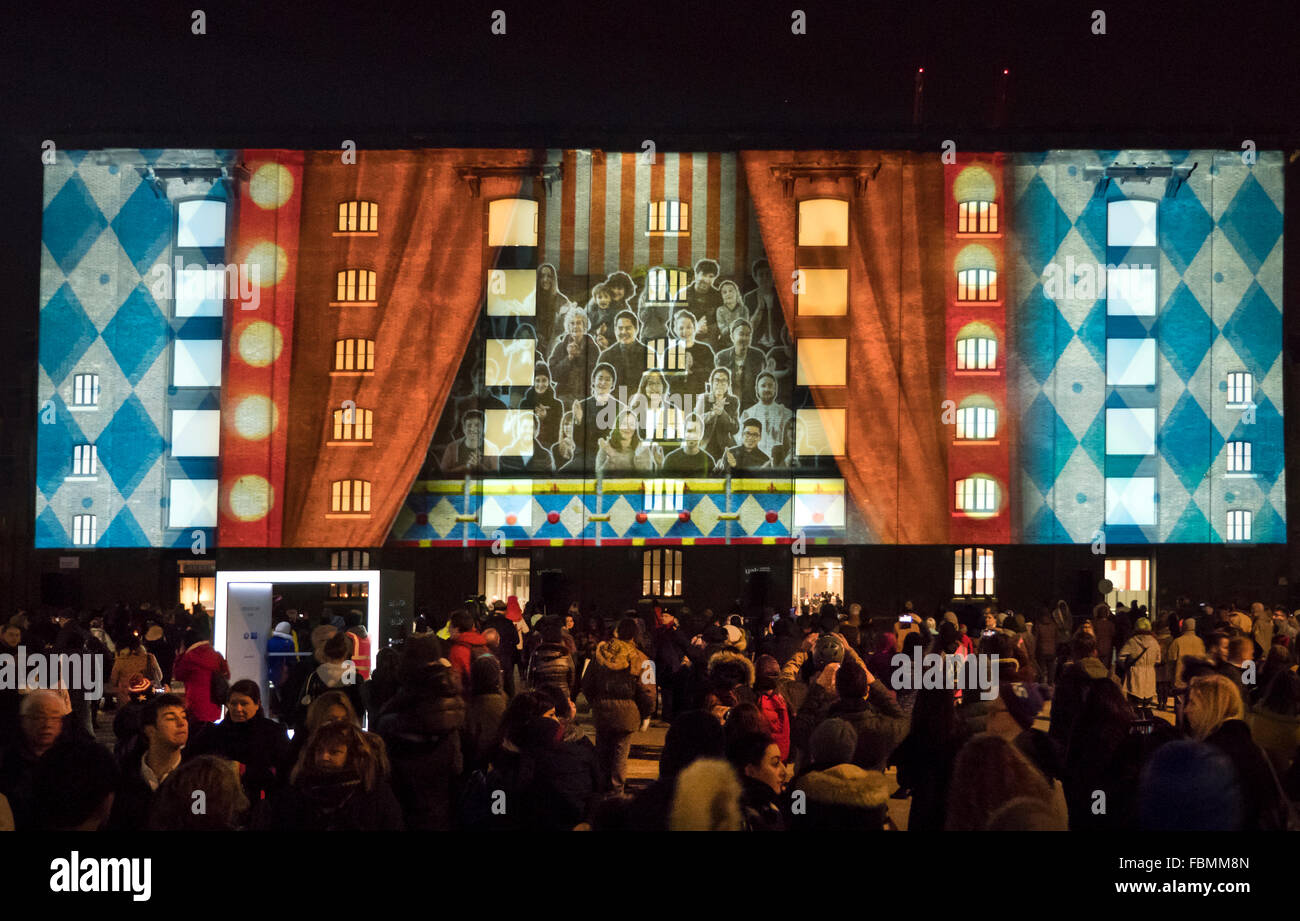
<point>336,672</point>
<point>466,645</point>
<point>206,676</point>
<point>1136,665</point>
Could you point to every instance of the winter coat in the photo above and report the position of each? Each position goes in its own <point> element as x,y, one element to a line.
<point>195,667</point>
<point>329,676</point>
<point>776,712</point>
<point>760,806</point>
<point>925,768</point>
<point>614,685</point>
<point>840,798</point>
<point>1261,801</point>
<point>879,722</point>
<point>1187,644</point>
<point>127,664</point>
<point>1077,679</point>
<point>464,649</point>
<point>566,782</point>
<point>1104,628</point>
<point>552,665</point>
<point>259,745</point>
<point>423,736</point>
<point>722,695</point>
<point>1141,678</point>
<point>1046,637</point>
<point>332,802</point>
<point>482,726</point>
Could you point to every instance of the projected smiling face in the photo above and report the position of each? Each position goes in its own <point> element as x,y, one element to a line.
<point>685,328</point>
<point>546,278</point>
<point>602,383</point>
<point>766,390</point>
<point>625,330</point>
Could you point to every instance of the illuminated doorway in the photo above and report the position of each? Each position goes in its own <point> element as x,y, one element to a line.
<point>816,576</point>
<point>1132,582</point>
<point>499,577</point>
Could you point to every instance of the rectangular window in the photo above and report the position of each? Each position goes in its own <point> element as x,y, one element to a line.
<point>1241,388</point>
<point>1130,291</point>
<point>1130,362</point>
<point>977,354</point>
<point>509,362</point>
<point>85,460</point>
<point>664,495</point>
<point>354,355</point>
<point>85,530</point>
<point>1239,523</point>
<point>977,285</point>
<point>197,363</point>
<point>1239,457</point>
<point>192,503</point>
<point>1131,500</point>
<point>668,217</point>
<point>358,217</point>
<point>201,223</point>
<point>973,573</point>
<point>822,432</point>
<point>196,432</point>
<point>977,217</point>
<point>816,576</point>
<point>350,559</point>
<point>1131,431</point>
<point>512,222</point>
<point>665,286</point>
<point>977,423</point>
<point>352,424</point>
<point>823,222</point>
<point>822,293</point>
<point>1131,222</point>
<point>85,390</point>
<point>355,286</point>
<point>661,573</point>
<point>350,496</point>
<point>821,362</point>
<point>666,355</point>
<point>1129,575</point>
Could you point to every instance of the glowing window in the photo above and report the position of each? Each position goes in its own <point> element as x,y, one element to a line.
<point>977,217</point>
<point>665,286</point>
<point>192,503</point>
<point>512,222</point>
<point>972,572</point>
<point>354,355</point>
<point>1129,575</point>
<point>821,362</point>
<point>1131,431</point>
<point>195,432</point>
<point>355,285</point>
<point>85,460</point>
<point>353,424</point>
<point>350,496</point>
<point>1131,500</point>
<point>512,293</point>
<point>977,494</point>
<point>664,495</point>
<point>1131,223</point>
<point>201,222</point>
<point>358,217</point>
<point>1130,291</point>
<point>350,559</point>
<point>200,292</point>
<point>669,217</point>
<point>1239,457</point>
<point>1130,362</point>
<point>1239,524</point>
<point>85,390</point>
<point>661,573</point>
<point>977,354</point>
<point>85,529</point>
<point>825,293</point>
<point>821,432</point>
<point>509,362</point>
<point>666,355</point>
<point>977,285</point>
<point>977,423</point>
<point>1241,388</point>
<point>823,222</point>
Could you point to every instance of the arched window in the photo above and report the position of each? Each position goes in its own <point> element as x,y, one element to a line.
<point>977,419</point>
<point>85,530</point>
<point>973,573</point>
<point>354,355</point>
<point>977,275</point>
<point>358,217</point>
<point>976,192</point>
<point>356,286</point>
<point>1239,457</point>
<point>353,424</point>
<point>977,348</point>
<point>977,494</point>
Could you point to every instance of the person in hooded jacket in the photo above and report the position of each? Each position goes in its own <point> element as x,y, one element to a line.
<point>837,794</point>
<point>567,778</point>
<point>772,703</point>
<point>1142,651</point>
<point>1077,679</point>
<point>729,678</point>
<point>552,663</point>
<point>487,706</point>
<point>926,756</point>
<point>336,672</point>
<point>467,644</point>
<point>672,663</point>
<point>422,728</point>
<point>621,691</point>
<point>196,666</point>
<point>338,784</point>
<point>866,704</point>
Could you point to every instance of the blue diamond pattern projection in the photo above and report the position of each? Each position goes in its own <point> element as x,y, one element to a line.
<point>1192,526</point>
<point>54,447</point>
<point>1092,332</point>
<point>1254,329</point>
<point>1091,225</point>
<point>50,531</point>
<point>1039,323</point>
<point>71,224</point>
<point>137,334</point>
<point>125,531</point>
<point>1189,441</point>
<point>1266,436</point>
<point>1037,208</point>
<point>66,333</point>
<point>1186,332</point>
<point>1182,226</point>
<point>1042,427</point>
<point>129,445</point>
<point>143,226</point>
<point>1252,223</point>
<point>1268,526</point>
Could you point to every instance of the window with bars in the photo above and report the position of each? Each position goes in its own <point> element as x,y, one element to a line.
<point>358,217</point>
<point>1241,388</point>
<point>661,573</point>
<point>85,460</point>
<point>977,354</point>
<point>356,285</point>
<point>1239,522</point>
<point>350,496</point>
<point>669,217</point>
<point>977,285</point>
<point>85,530</point>
<point>664,286</point>
<point>352,424</point>
<point>973,573</point>
<point>1239,457</point>
<point>85,390</point>
<point>976,423</point>
<point>350,559</point>
<point>977,217</point>
<point>977,494</point>
<point>667,423</point>
<point>664,495</point>
<point>354,355</point>
<point>665,355</point>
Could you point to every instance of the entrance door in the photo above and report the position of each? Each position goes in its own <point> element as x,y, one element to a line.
<point>816,577</point>
<point>1132,582</point>
<point>503,576</point>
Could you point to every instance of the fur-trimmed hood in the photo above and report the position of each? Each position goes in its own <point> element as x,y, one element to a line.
<point>728,656</point>
<point>616,655</point>
<point>846,785</point>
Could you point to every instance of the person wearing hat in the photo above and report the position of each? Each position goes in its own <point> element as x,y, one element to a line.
<point>1012,717</point>
<point>772,703</point>
<point>838,795</point>
<point>133,660</point>
<point>1138,658</point>
<point>281,654</point>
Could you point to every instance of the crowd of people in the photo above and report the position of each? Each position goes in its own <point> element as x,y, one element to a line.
<point>505,718</point>
<point>692,381</point>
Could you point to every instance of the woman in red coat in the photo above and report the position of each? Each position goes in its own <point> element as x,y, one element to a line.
<point>196,666</point>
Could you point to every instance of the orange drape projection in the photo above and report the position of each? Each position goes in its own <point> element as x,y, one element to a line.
<point>428,260</point>
<point>896,463</point>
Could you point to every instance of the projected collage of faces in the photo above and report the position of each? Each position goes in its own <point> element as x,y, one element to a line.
<point>636,376</point>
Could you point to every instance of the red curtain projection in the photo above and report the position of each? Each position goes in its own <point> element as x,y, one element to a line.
<point>428,260</point>
<point>259,349</point>
<point>896,446</point>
